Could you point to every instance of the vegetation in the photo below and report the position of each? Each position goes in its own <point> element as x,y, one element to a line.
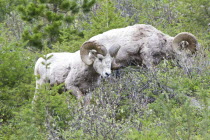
<point>167,103</point>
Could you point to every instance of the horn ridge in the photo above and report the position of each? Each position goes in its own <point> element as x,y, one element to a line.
<point>91,45</point>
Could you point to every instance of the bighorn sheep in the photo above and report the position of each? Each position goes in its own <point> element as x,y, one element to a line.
<point>142,44</point>
<point>80,71</point>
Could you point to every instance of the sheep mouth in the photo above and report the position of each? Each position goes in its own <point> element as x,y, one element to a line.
<point>106,75</point>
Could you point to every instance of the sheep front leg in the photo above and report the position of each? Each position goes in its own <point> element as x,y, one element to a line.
<point>147,60</point>
<point>83,99</point>
<point>76,92</point>
<point>87,99</point>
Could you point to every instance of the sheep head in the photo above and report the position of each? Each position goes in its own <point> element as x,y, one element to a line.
<point>95,55</point>
<point>185,43</point>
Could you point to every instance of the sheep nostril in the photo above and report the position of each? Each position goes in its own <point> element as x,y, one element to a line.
<point>107,74</point>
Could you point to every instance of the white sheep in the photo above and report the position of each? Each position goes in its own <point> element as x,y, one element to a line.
<point>80,71</point>
<point>142,44</point>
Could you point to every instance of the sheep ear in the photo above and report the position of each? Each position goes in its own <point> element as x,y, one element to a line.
<point>114,49</point>
<point>92,54</point>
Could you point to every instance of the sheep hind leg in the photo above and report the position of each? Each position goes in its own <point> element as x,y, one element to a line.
<point>38,84</point>
<point>35,95</point>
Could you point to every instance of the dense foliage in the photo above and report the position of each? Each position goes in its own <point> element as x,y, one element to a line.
<point>167,103</point>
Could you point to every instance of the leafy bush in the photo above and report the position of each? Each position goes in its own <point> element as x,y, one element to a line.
<point>15,77</point>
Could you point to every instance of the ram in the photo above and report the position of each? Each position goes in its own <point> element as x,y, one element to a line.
<point>80,71</point>
<point>142,44</point>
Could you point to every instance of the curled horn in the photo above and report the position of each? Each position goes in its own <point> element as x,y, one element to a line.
<point>115,66</point>
<point>184,36</point>
<point>113,50</point>
<point>91,45</point>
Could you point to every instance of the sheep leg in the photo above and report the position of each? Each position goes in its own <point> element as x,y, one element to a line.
<point>147,60</point>
<point>87,99</point>
<point>38,84</point>
<point>76,92</point>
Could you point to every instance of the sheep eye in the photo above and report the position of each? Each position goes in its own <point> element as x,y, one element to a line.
<point>100,59</point>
